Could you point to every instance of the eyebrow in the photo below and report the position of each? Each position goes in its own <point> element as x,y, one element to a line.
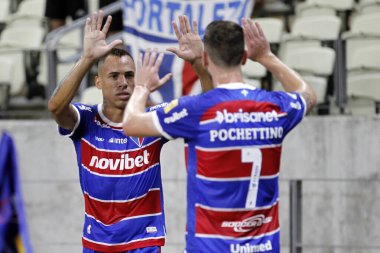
<point>126,72</point>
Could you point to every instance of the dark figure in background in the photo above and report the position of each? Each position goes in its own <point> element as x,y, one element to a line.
<point>117,18</point>
<point>58,10</point>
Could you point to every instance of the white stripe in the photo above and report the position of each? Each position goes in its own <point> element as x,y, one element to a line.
<point>237,238</point>
<point>129,175</point>
<point>129,218</point>
<point>217,209</point>
<point>204,122</point>
<point>217,179</point>
<point>234,179</point>
<point>124,243</point>
<point>156,123</point>
<point>236,147</point>
<point>304,105</point>
<point>121,201</point>
<point>120,151</point>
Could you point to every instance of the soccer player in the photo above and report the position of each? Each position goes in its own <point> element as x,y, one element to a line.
<point>234,135</point>
<point>120,175</point>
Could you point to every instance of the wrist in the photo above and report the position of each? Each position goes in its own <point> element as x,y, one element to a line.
<point>87,59</point>
<point>142,88</point>
<point>266,58</point>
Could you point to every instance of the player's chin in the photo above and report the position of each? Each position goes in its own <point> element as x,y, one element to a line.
<point>121,103</point>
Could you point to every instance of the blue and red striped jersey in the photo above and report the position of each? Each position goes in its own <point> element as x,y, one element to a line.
<point>121,183</point>
<point>234,136</point>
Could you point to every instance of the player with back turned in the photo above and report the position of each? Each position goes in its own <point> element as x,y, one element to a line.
<point>234,135</point>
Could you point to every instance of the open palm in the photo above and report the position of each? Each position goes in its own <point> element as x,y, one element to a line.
<point>94,44</point>
<point>190,43</point>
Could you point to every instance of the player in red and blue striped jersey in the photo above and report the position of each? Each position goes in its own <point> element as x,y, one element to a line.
<point>234,136</point>
<point>119,175</point>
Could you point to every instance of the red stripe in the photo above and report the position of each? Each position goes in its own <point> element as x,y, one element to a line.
<point>112,212</point>
<point>119,163</point>
<point>120,248</point>
<point>186,156</point>
<point>246,105</point>
<point>226,223</point>
<point>228,164</point>
<point>189,77</point>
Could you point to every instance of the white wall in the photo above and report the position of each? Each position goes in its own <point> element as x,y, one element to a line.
<point>321,150</point>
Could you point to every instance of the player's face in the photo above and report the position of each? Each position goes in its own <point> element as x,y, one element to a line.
<point>117,80</point>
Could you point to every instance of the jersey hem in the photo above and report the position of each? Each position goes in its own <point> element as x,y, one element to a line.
<point>120,248</point>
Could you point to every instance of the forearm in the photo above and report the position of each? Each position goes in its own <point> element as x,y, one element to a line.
<point>204,76</point>
<point>290,79</point>
<point>66,91</point>
<point>134,110</point>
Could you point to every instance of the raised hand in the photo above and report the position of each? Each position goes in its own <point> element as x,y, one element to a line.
<point>147,70</point>
<point>190,43</point>
<point>94,43</point>
<point>255,40</point>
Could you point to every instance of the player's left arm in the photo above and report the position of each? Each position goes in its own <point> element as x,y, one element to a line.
<point>136,121</point>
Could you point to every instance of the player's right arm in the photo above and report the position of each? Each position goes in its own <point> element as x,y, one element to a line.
<point>258,49</point>
<point>94,47</point>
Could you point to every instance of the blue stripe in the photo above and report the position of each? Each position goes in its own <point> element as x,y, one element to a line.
<point>149,37</point>
<point>123,231</point>
<point>233,194</point>
<point>120,188</point>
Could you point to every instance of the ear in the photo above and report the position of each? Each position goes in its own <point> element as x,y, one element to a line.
<point>98,82</point>
<point>244,58</point>
<point>204,59</point>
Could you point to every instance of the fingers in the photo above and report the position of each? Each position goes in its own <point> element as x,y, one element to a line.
<point>174,50</point>
<point>100,20</point>
<point>175,27</point>
<point>94,20</point>
<point>166,78</point>
<point>247,29</point>
<point>182,22</point>
<point>115,43</point>
<point>187,23</point>
<point>146,57</point>
<point>159,60</point>
<point>139,60</point>
<point>152,57</point>
<point>107,25</point>
<point>88,25</point>
<point>261,32</point>
<point>195,27</point>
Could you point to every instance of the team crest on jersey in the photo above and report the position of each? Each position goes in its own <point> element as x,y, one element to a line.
<point>170,106</point>
<point>137,140</point>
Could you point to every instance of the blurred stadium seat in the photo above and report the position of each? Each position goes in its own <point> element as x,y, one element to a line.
<point>91,96</point>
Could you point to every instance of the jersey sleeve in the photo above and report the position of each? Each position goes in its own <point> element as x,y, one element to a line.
<point>293,108</point>
<point>178,119</point>
<point>84,113</point>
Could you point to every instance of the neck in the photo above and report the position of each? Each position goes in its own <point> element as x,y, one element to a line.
<point>114,114</point>
<point>226,75</point>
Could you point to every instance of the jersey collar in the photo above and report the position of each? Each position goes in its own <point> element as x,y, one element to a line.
<point>236,86</point>
<point>106,120</point>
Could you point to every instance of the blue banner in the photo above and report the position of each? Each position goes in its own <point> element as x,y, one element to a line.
<point>147,24</point>
<point>14,236</point>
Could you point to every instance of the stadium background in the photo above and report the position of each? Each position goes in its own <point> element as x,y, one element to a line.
<point>335,155</point>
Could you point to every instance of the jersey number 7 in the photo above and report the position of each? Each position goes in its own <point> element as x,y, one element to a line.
<point>254,156</point>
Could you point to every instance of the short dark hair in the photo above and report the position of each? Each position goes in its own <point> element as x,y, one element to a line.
<point>115,52</point>
<point>224,43</point>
